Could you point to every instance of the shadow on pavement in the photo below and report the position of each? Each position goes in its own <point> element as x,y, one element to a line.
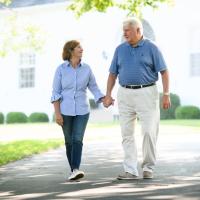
<point>45,177</point>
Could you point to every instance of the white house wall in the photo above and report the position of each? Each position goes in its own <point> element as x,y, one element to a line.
<point>174,27</point>
<point>93,30</point>
<point>97,33</point>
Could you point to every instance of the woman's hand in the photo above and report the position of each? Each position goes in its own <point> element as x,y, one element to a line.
<point>59,119</point>
<point>107,101</point>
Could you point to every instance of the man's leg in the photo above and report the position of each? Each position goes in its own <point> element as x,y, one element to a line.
<point>149,115</point>
<point>127,118</point>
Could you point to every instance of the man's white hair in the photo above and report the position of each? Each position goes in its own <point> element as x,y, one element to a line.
<point>134,22</point>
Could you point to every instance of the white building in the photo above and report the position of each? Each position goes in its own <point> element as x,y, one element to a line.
<point>26,77</point>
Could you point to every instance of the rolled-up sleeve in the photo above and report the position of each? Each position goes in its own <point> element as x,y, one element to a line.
<point>94,89</point>
<point>114,64</point>
<point>159,62</point>
<point>57,87</point>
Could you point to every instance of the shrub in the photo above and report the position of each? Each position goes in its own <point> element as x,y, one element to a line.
<point>16,117</point>
<point>38,117</point>
<point>93,104</point>
<point>53,118</point>
<point>169,113</point>
<point>187,112</point>
<point>1,118</point>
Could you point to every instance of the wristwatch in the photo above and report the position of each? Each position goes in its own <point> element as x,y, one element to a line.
<point>166,93</point>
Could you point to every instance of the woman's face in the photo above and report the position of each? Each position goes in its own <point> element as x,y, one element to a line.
<point>77,52</point>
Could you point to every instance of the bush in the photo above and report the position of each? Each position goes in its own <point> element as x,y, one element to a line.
<point>93,104</point>
<point>187,112</point>
<point>1,118</point>
<point>16,117</point>
<point>169,113</point>
<point>53,118</point>
<point>38,117</point>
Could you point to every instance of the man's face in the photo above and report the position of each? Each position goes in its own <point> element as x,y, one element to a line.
<point>131,34</point>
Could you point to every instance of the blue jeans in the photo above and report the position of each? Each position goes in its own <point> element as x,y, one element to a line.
<point>74,129</point>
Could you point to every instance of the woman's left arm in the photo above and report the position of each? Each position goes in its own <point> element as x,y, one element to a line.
<point>94,88</point>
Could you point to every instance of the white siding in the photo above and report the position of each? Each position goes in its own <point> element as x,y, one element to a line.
<point>99,35</point>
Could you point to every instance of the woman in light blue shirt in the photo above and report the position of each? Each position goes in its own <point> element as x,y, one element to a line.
<point>71,80</point>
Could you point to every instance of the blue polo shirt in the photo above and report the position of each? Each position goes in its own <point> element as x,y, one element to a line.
<point>137,65</point>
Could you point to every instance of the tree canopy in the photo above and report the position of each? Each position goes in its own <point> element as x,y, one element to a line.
<point>17,35</point>
<point>6,2</point>
<point>134,7</point>
<point>32,35</point>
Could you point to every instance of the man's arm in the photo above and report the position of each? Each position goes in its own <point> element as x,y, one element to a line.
<point>166,103</point>
<point>110,85</point>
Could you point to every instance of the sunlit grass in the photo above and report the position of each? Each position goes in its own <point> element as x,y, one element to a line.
<point>16,150</point>
<point>176,122</point>
<point>23,147</point>
<point>183,122</point>
<point>103,124</point>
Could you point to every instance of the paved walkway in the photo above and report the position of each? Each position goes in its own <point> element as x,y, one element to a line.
<point>177,175</point>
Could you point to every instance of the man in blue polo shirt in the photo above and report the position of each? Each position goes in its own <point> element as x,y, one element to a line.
<point>137,63</point>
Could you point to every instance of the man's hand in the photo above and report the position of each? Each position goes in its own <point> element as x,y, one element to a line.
<point>166,103</point>
<point>107,101</point>
<point>59,119</point>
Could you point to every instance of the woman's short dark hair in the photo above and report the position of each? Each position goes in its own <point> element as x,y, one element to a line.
<point>68,48</point>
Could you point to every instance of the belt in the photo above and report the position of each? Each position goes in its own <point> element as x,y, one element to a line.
<point>137,86</point>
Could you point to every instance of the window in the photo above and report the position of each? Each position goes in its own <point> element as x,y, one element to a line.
<point>27,59</point>
<point>27,70</point>
<point>195,64</point>
<point>27,77</point>
<point>194,47</point>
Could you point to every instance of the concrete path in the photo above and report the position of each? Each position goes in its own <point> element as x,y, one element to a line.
<point>177,175</point>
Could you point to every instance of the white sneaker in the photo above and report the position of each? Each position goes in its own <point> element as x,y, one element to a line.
<point>127,176</point>
<point>76,174</point>
<point>147,175</point>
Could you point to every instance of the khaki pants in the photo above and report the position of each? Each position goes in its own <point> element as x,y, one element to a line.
<point>144,104</point>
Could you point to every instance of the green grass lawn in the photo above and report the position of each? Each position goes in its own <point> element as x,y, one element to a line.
<point>184,122</point>
<point>16,150</point>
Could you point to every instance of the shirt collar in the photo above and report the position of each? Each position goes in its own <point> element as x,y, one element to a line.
<point>68,63</point>
<point>139,44</point>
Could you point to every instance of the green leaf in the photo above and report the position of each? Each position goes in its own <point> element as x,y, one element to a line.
<point>5,2</point>
<point>134,7</point>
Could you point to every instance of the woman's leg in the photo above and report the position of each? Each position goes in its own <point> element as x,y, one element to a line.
<point>67,131</point>
<point>78,130</point>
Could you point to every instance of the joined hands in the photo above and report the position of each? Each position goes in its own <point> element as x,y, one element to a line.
<point>107,101</point>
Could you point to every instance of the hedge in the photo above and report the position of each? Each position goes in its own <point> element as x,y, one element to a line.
<point>93,104</point>
<point>1,118</point>
<point>16,117</point>
<point>38,117</point>
<point>187,112</point>
<point>169,113</point>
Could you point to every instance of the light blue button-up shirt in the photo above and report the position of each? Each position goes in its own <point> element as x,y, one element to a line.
<point>70,87</point>
<point>137,65</point>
